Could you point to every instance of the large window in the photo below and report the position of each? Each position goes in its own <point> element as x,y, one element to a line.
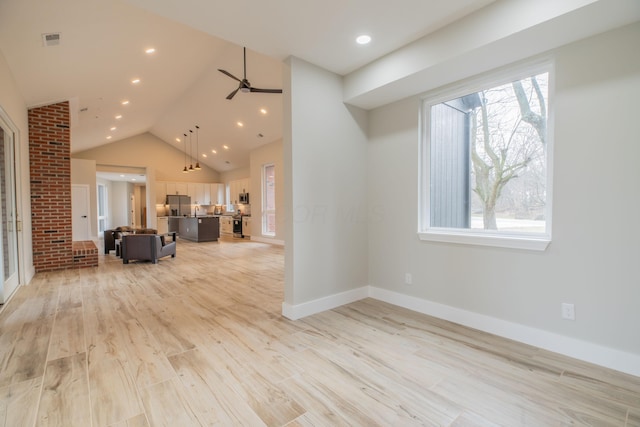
<point>269,200</point>
<point>486,162</point>
<point>102,208</point>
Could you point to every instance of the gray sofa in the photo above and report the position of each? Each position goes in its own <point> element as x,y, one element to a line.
<point>146,247</point>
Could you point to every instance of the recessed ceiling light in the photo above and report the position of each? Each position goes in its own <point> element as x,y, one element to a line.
<point>125,102</point>
<point>113,128</point>
<point>108,136</point>
<point>119,116</point>
<point>204,155</point>
<point>263,110</point>
<point>363,39</point>
<point>178,140</point>
<point>150,51</point>
<point>226,147</point>
<point>214,151</point>
<point>135,81</point>
<point>240,124</point>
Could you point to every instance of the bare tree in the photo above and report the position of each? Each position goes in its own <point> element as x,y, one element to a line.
<point>505,140</point>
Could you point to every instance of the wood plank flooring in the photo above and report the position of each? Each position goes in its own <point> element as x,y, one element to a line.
<point>198,340</point>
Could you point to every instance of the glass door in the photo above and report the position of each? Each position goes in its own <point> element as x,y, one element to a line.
<point>9,230</point>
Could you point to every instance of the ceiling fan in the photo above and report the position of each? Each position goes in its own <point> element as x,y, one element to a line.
<point>244,85</point>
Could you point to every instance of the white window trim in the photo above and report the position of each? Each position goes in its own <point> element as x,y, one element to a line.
<point>534,242</point>
<point>266,211</point>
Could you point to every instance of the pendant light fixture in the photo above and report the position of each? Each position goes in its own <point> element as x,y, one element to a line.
<point>197,146</point>
<point>185,170</point>
<point>191,169</point>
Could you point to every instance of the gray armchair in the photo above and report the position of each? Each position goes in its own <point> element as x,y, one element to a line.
<point>146,247</point>
<point>109,242</point>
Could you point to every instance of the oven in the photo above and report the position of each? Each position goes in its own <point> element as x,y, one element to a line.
<point>237,226</point>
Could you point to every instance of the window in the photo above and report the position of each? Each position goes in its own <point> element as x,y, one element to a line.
<point>269,200</point>
<point>485,164</point>
<point>102,208</point>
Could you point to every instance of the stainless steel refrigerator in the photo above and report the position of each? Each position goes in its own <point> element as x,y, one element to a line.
<point>179,205</point>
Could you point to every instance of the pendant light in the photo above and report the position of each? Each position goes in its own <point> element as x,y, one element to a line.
<point>185,170</point>
<point>191,169</point>
<point>197,146</point>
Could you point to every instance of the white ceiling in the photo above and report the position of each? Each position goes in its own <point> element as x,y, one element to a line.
<point>103,41</point>
<point>102,49</point>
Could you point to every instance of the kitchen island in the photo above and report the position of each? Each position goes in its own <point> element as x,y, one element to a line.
<point>199,229</point>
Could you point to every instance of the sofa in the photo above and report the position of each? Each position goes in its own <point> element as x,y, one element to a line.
<point>146,247</point>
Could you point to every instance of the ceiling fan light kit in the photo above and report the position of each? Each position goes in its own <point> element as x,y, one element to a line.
<point>244,85</point>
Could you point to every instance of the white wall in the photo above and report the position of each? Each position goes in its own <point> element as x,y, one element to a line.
<point>325,165</point>
<point>593,258</point>
<point>267,154</point>
<point>120,212</point>
<point>146,150</point>
<point>14,106</point>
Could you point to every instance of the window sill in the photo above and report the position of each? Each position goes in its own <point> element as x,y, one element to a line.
<point>532,243</point>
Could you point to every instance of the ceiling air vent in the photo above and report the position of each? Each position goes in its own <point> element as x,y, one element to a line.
<point>51,39</point>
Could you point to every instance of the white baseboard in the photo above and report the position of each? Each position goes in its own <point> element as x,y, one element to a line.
<point>589,352</point>
<point>628,363</point>
<point>298,311</point>
<point>267,240</point>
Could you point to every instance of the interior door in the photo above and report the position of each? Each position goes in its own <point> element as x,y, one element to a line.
<point>80,212</point>
<point>9,230</point>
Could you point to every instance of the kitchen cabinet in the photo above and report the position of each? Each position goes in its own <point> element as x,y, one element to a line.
<point>246,226</point>
<point>163,224</point>
<point>179,188</point>
<point>236,187</point>
<point>204,229</point>
<point>216,192</point>
<point>196,191</point>
<point>161,192</point>
<point>226,225</point>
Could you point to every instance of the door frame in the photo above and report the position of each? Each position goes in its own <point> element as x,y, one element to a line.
<point>17,184</point>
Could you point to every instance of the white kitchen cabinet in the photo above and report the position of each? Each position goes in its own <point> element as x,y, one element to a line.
<point>246,226</point>
<point>163,224</point>
<point>196,191</point>
<point>217,193</point>
<point>161,192</point>
<point>177,188</point>
<point>206,195</point>
<point>226,225</point>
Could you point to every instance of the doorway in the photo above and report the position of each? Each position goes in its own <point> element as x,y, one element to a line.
<point>9,229</point>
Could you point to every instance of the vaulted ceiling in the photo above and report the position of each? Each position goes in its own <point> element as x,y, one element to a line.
<point>102,47</point>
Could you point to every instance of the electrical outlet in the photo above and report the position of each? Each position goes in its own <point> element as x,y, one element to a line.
<point>407,278</point>
<point>568,311</point>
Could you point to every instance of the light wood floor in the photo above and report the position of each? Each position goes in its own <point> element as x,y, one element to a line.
<point>199,340</point>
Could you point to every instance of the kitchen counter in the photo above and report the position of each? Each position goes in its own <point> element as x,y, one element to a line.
<point>199,229</point>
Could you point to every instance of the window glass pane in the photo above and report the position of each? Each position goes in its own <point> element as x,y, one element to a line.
<point>488,151</point>
<point>269,200</point>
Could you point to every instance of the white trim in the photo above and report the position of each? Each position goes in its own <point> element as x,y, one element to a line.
<point>607,357</point>
<point>267,240</point>
<point>502,75</point>
<point>467,237</point>
<point>589,352</point>
<point>298,311</point>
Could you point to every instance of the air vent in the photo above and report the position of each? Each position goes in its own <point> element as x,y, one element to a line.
<point>51,39</point>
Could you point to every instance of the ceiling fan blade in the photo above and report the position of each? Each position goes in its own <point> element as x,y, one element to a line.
<point>225,72</point>
<point>255,89</point>
<point>232,94</point>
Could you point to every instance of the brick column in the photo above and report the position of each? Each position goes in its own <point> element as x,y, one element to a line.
<point>50,162</point>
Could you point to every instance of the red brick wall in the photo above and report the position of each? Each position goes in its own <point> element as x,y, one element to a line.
<point>50,161</point>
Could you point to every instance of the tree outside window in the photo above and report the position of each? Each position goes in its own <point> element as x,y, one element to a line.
<point>487,154</point>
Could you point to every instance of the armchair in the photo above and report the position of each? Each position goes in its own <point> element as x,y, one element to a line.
<point>109,241</point>
<point>146,247</point>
